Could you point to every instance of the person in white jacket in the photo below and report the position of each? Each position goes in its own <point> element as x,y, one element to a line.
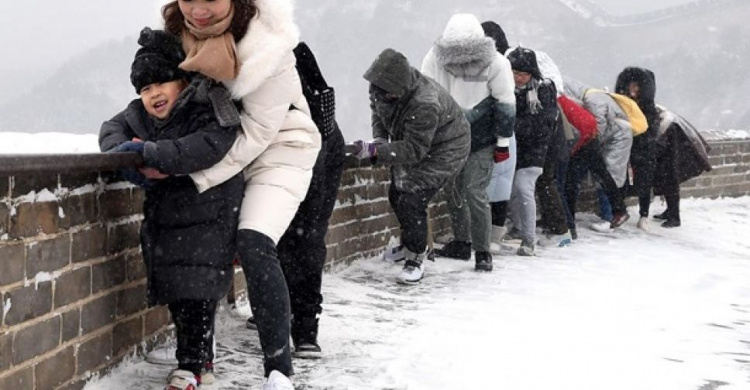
<point>466,63</point>
<point>247,45</point>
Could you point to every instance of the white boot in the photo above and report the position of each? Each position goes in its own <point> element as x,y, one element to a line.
<point>278,381</point>
<point>602,227</point>
<point>394,251</point>
<point>643,224</point>
<point>496,236</point>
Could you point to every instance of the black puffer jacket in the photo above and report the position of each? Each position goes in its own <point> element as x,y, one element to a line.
<point>644,145</point>
<point>534,130</point>
<point>187,238</point>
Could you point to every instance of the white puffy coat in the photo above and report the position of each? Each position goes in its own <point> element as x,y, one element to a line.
<point>278,144</point>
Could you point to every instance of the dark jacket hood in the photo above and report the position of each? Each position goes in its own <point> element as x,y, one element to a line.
<point>391,72</point>
<point>643,77</point>
<point>494,31</point>
<point>524,60</point>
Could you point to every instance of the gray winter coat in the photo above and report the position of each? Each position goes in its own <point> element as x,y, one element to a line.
<point>429,136</point>
<point>612,125</point>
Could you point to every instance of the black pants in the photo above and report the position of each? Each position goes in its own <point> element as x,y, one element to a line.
<point>499,212</point>
<point>302,249</point>
<point>672,196</point>
<point>590,157</point>
<point>269,298</point>
<point>643,178</point>
<point>194,324</point>
<point>411,211</point>
<point>551,204</point>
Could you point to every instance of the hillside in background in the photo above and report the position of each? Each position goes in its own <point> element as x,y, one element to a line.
<point>699,54</point>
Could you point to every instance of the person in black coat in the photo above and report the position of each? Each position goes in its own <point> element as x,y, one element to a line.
<point>187,238</point>
<point>640,85</point>
<point>536,117</point>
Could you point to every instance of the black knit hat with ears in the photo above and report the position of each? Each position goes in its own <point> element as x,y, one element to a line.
<point>494,31</point>
<point>524,60</point>
<point>158,59</point>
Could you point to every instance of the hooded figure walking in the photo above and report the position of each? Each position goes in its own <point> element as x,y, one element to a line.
<point>466,63</point>
<point>422,134</point>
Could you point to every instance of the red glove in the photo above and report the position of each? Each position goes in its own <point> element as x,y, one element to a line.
<point>501,153</point>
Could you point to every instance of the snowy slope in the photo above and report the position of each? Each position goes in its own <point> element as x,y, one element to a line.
<point>666,310</point>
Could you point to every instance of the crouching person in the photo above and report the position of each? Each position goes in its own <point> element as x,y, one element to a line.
<point>187,238</point>
<point>422,134</point>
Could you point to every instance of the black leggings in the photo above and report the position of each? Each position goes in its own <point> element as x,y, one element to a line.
<point>194,323</point>
<point>499,212</point>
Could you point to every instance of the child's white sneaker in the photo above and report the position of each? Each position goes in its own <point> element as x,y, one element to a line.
<point>278,381</point>
<point>643,224</point>
<point>182,380</point>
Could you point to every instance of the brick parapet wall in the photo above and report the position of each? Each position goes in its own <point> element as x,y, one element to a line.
<point>72,280</point>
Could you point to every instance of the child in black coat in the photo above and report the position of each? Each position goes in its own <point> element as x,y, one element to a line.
<point>181,124</point>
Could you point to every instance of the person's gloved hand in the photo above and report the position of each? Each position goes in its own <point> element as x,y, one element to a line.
<point>364,149</point>
<point>132,175</point>
<point>501,153</point>
<point>129,146</point>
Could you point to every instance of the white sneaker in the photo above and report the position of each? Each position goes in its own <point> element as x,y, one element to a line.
<point>556,240</point>
<point>394,251</point>
<point>412,272</point>
<point>602,227</point>
<point>496,236</point>
<point>278,381</point>
<point>182,380</point>
<point>163,356</point>
<point>643,224</point>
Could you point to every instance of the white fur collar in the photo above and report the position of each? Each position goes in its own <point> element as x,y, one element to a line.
<point>270,39</point>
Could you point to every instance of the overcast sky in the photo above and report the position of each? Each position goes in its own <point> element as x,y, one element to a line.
<point>43,34</point>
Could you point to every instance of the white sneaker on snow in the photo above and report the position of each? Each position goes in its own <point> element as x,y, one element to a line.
<point>394,254</point>
<point>182,380</point>
<point>556,240</point>
<point>412,272</point>
<point>163,356</point>
<point>643,224</point>
<point>278,381</point>
<point>602,227</point>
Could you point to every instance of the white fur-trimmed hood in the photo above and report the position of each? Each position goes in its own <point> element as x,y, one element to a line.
<point>270,39</point>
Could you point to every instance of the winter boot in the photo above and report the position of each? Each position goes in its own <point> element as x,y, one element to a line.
<point>671,223</point>
<point>602,227</point>
<point>526,248</point>
<point>643,224</point>
<point>394,254</point>
<point>250,323</point>
<point>413,270</point>
<point>619,219</point>
<point>513,235</point>
<point>305,338</point>
<point>483,261</point>
<point>460,250</point>
<point>496,236</point>
<point>278,381</point>
<point>183,380</point>
<point>573,233</point>
<point>163,356</point>
<point>663,216</point>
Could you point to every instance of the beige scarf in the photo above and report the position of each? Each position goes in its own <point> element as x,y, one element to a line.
<point>211,51</point>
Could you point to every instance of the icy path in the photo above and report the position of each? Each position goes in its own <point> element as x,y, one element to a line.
<point>663,310</point>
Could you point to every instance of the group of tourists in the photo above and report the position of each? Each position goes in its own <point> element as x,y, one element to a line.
<point>242,159</point>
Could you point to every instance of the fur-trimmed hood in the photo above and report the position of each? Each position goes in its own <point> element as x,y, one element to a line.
<point>463,49</point>
<point>641,76</point>
<point>270,39</point>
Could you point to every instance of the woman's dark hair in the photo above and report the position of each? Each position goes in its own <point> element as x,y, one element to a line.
<point>244,11</point>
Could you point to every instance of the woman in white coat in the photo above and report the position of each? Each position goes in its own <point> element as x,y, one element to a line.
<point>247,45</point>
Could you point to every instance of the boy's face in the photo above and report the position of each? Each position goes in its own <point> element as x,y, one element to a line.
<point>159,98</point>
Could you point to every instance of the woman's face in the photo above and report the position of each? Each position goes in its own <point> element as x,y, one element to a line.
<point>521,78</point>
<point>634,90</point>
<point>204,13</point>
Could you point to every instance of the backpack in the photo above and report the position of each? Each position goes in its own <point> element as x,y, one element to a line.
<point>638,122</point>
<point>320,96</point>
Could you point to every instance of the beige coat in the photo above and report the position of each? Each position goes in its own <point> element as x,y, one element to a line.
<point>277,147</point>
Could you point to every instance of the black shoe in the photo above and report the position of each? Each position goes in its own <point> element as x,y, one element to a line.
<point>663,216</point>
<point>671,223</point>
<point>619,219</point>
<point>250,323</point>
<point>455,250</point>
<point>573,233</point>
<point>305,338</point>
<point>483,261</point>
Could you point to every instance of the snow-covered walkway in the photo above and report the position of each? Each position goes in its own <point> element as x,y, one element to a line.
<point>669,309</point>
